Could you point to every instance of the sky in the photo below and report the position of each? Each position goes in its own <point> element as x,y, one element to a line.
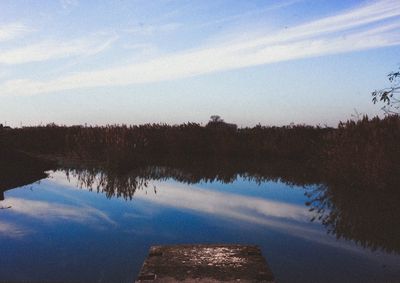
<point>174,61</point>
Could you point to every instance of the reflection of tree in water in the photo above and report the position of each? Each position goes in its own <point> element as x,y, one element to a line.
<point>363,212</point>
<point>350,206</point>
<point>109,183</point>
<point>354,202</point>
<point>115,184</point>
<point>124,183</point>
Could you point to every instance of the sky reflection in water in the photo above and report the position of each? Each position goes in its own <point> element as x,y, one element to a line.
<point>57,232</point>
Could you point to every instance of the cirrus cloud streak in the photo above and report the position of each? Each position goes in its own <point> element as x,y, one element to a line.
<point>374,25</point>
<point>12,30</point>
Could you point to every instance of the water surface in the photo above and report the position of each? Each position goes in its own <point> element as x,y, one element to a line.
<point>82,226</point>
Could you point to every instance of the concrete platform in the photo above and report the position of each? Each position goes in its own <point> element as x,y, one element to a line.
<point>205,263</point>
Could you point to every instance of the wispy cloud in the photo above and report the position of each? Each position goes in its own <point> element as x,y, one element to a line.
<point>240,207</point>
<point>367,14</point>
<point>12,30</point>
<point>11,230</point>
<point>50,212</point>
<point>373,25</point>
<point>51,49</point>
<point>290,219</point>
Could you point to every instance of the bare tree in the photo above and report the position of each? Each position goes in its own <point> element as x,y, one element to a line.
<point>389,96</point>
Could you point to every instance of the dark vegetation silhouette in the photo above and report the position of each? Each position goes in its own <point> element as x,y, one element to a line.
<point>359,198</point>
<point>17,168</point>
<point>151,143</point>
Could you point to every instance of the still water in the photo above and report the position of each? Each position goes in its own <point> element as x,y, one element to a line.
<point>82,228</point>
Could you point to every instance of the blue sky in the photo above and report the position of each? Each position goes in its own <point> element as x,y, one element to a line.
<point>268,62</point>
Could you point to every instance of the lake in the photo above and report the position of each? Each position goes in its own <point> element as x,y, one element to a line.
<point>85,225</point>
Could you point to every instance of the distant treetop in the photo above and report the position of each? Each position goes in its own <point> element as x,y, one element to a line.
<point>217,122</point>
<point>216,119</point>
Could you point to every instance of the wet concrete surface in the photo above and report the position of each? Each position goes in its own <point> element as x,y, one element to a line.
<point>205,263</point>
